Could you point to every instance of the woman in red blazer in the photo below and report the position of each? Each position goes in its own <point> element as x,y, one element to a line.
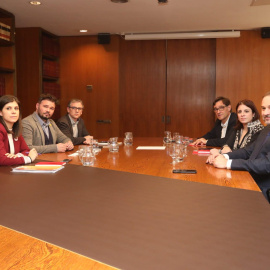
<point>13,149</point>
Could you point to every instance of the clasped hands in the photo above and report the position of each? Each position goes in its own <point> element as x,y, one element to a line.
<point>63,147</point>
<point>216,159</point>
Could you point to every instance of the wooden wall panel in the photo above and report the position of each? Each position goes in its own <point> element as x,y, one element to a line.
<point>191,86</point>
<point>142,87</point>
<point>28,72</point>
<point>85,62</point>
<point>7,60</point>
<point>243,67</point>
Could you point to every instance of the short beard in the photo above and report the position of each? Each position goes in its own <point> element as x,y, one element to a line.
<point>43,117</point>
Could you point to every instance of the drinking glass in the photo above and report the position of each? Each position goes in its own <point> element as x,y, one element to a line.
<point>174,152</point>
<point>177,138</point>
<point>186,141</point>
<point>181,153</point>
<point>175,135</point>
<point>113,144</point>
<point>88,157</point>
<point>167,137</point>
<point>96,148</point>
<point>81,150</point>
<point>128,140</point>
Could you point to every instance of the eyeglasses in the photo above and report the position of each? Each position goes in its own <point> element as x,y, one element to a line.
<point>76,108</point>
<point>221,109</point>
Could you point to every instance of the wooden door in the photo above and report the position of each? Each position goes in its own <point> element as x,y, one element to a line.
<point>190,86</point>
<point>142,87</point>
<point>84,63</point>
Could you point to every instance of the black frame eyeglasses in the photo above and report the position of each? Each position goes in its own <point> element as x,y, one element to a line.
<point>76,108</point>
<point>221,108</point>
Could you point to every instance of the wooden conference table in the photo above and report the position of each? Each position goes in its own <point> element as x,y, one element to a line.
<point>157,163</point>
<point>20,251</point>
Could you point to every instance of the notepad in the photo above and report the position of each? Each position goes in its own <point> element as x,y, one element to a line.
<point>46,163</point>
<point>151,148</point>
<point>38,169</point>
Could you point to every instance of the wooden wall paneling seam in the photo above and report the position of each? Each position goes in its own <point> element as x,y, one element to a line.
<point>28,68</point>
<point>191,86</point>
<point>142,87</point>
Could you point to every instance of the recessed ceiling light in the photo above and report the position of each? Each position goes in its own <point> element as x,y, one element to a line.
<point>119,1</point>
<point>35,3</point>
<point>163,2</point>
<point>83,31</point>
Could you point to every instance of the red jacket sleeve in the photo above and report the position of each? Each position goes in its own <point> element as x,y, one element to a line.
<point>4,148</point>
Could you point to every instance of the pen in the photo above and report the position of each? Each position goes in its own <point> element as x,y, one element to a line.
<point>28,153</point>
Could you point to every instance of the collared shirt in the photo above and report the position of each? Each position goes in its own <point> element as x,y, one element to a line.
<point>44,125</point>
<point>74,126</point>
<point>229,161</point>
<point>224,127</point>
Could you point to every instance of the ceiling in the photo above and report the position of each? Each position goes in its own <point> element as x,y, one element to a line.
<point>67,17</point>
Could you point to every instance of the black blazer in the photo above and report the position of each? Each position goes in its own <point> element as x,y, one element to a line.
<point>213,136</point>
<point>65,126</point>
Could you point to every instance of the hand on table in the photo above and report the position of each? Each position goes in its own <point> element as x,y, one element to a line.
<point>220,162</point>
<point>201,141</point>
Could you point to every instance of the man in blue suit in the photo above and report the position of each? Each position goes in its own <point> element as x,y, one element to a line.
<point>256,157</point>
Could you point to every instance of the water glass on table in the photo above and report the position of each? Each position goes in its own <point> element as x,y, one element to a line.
<point>181,153</point>
<point>96,148</point>
<point>128,140</point>
<point>177,138</point>
<point>186,141</point>
<point>113,145</point>
<point>88,156</point>
<point>174,152</point>
<point>81,150</point>
<point>167,137</point>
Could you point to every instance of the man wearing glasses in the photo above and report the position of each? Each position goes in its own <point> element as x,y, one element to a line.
<point>72,125</point>
<point>224,124</point>
<point>41,132</point>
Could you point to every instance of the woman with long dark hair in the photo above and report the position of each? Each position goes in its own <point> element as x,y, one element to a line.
<point>13,149</point>
<point>246,131</point>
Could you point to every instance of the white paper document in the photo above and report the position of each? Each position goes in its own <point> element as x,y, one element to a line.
<point>73,155</point>
<point>151,148</point>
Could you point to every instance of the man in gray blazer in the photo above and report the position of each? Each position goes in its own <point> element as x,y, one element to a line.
<point>41,132</point>
<point>72,125</point>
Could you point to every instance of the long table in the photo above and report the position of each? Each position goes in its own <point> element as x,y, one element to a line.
<point>156,192</point>
<point>157,163</point>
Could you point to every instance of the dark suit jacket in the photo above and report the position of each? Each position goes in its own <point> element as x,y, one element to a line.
<point>213,136</point>
<point>255,157</point>
<point>65,126</point>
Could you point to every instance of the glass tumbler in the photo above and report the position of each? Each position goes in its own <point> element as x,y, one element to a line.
<point>113,145</point>
<point>88,157</point>
<point>128,140</point>
<point>167,137</point>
